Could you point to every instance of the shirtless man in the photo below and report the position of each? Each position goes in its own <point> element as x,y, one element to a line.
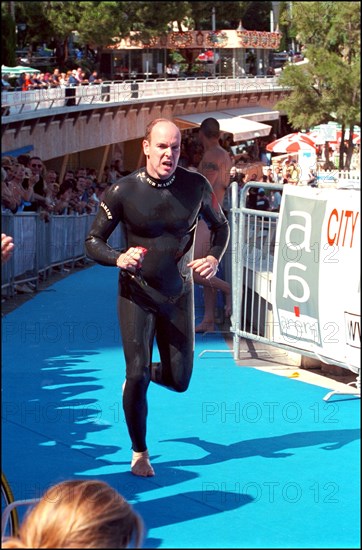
<point>215,165</point>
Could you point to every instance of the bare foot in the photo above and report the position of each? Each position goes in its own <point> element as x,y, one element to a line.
<point>140,465</point>
<point>205,326</point>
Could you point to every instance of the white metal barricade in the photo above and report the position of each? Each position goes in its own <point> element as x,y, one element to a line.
<point>253,241</point>
<point>41,246</point>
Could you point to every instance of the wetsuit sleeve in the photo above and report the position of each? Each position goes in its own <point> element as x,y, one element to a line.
<point>217,222</point>
<point>107,219</point>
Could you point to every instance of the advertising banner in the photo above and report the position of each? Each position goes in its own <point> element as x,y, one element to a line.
<point>316,275</point>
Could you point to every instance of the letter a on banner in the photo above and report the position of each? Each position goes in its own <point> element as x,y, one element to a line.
<point>316,275</point>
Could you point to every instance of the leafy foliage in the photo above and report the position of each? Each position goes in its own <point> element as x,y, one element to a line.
<point>328,87</point>
<point>8,56</point>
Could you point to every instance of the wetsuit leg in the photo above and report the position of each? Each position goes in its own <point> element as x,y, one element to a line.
<point>137,330</point>
<point>175,340</point>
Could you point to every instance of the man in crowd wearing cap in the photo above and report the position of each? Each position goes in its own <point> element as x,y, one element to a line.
<point>262,202</point>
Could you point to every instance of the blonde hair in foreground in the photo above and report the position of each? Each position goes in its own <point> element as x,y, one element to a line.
<point>80,514</point>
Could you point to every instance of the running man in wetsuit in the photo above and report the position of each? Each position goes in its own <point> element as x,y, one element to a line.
<point>158,207</point>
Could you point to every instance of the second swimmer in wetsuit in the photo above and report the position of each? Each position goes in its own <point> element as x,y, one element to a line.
<point>158,207</point>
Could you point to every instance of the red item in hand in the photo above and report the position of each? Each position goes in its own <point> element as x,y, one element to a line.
<point>142,249</point>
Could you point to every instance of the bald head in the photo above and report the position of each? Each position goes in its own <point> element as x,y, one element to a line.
<point>161,147</point>
<point>164,122</point>
<point>210,128</point>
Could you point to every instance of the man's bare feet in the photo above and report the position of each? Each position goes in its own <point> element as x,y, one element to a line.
<point>141,465</point>
<point>205,326</point>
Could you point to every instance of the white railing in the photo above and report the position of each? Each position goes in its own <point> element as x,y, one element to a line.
<point>128,91</point>
<point>41,246</point>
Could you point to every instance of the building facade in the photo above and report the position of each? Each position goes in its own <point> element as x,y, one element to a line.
<point>229,53</point>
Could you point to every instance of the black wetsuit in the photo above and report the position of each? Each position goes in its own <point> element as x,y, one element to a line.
<point>158,300</point>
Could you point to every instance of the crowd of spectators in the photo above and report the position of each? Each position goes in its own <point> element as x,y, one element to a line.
<point>27,186</point>
<point>38,80</point>
<point>282,172</point>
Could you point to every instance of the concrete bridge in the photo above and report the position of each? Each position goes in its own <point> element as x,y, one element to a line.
<point>84,126</point>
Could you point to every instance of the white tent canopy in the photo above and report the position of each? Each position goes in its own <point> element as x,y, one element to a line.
<point>240,127</point>
<point>16,71</point>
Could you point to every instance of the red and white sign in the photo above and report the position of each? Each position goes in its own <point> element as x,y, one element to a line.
<point>316,275</point>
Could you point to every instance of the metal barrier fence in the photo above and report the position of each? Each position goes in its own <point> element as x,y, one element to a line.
<point>41,246</point>
<point>128,91</point>
<point>253,235</point>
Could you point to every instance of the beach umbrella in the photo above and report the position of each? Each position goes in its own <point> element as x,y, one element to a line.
<point>316,136</point>
<point>16,71</point>
<point>291,143</point>
<point>206,56</point>
<point>346,136</point>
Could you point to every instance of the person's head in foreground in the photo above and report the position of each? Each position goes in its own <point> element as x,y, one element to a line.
<point>80,514</point>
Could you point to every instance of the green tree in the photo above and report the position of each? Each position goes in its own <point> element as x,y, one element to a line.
<point>285,25</point>
<point>8,55</point>
<point>256,16</point>
<point>64,18</point>
<point>38,30</point>
<point>327,88</point>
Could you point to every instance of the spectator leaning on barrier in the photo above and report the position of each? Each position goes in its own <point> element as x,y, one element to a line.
<point>7,164</point>
<point>275,201</point>
<point>93,200</point>
<point>72,79</point>
<point>51,196</point>
<point>8,201</point>
<point>20,81</point>
<point>64,197</point>
<point>28,83</point>
<point>39,81</point>
<point>22,196</point>
<point>80,75</point>
<point>5,84</point>
<point>55,78</point>
<point>251,198</point>
<point>262,202</point>
<point>94,78</point>
<point>63,80</point>
<point>36,180</point>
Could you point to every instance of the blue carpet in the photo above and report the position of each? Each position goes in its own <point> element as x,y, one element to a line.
<point>243,459</point>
